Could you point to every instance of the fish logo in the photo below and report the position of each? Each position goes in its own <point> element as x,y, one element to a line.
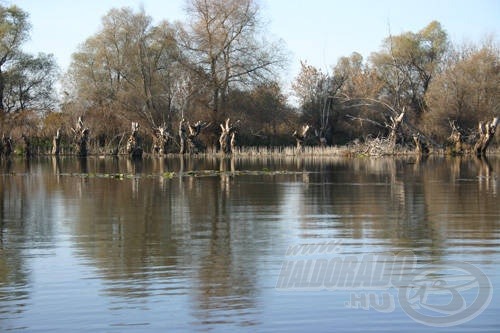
<point>446,294</point>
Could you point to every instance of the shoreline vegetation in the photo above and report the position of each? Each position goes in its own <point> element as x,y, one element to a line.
<point>211,85</point>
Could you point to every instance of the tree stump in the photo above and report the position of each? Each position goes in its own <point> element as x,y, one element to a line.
<point>188,134</point>
<point>81,138</point>
<point>421,146</point>
<point>227,139</point>
<point>301,136</point>
<point>56,143</point>
<point>455,139</point>
<point>6,146</point>
<point>134,148</point>
<point>161,139</point>
<point>27,146</point>
<point>486,134</point>
<point>395,126</point>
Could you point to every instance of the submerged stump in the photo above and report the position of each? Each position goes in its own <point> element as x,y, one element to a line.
<point>486,134</point>
<point>134,147</point>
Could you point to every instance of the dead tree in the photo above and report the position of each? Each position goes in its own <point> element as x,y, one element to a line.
<point>81,138</point>
<point>455,139</point>
<point>161,138</point>
<point>27,146</point>
<point>188,134</point>
<point>300,137</point>
<point>227,139</point>
<point>134,148</point>
<point>486,134</point>
<point>6,146</point>
<point>395,126</point>
<point>421,146</point>
<point>56,143</point>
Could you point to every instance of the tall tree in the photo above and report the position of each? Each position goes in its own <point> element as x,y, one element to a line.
<point>466,92</point>
<point>29,83</point>
<point>223,47</point>
<point>14,30</point>
<point>407,64</point>
<point>128,67</point>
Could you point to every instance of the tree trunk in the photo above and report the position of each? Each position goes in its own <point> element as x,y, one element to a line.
<point>486,134</point>
<point>395,126</point>
<point>188,137</point>
<point>227,137</point>
<point>134,148</point>
<point>6,145</point>
<point>300,137</point>
<point>56,142</point>
<point>455,139</point>
<point>161,138</point>
<point>2,89</point>
<point>421,147</point>
<point>27,146</point>
<point>81,138</point>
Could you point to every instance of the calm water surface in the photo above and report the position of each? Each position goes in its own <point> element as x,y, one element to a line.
<point>110,245</point>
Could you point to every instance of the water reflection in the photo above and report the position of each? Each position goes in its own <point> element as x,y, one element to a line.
<point>215,242</point>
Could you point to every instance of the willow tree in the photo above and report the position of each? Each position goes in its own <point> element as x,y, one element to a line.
<point>14,30</point>
<point>407,64</point>
<point>29,83</point>
<point>466,92</point>
<point>224,47</point>
<point>127,69</point>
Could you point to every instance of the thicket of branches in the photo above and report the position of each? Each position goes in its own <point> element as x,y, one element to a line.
<point>218,64</point>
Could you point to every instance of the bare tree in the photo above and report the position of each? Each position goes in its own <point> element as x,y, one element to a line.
<point>134,147</point>
<point>486,134</point>
<point>56,143</point>
<point>188,136</point>
<point>161,138</point>
<point>227,139</point>
<point>221,46</point>
<point>81,138</point>
<point>301,136</point>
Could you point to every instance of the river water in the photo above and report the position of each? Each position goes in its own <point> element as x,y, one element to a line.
<point>250,244</point>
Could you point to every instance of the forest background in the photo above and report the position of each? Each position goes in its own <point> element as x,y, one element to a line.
<point>221,63</point>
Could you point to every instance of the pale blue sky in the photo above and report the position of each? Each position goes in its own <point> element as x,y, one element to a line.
<point>319,31</point>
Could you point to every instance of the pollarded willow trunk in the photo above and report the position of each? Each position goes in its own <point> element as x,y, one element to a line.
<point>6,146</point>
<point>161,139</point>
<point>134,142</point>
<point>455,139</point>
<point>81,138</point>
<point>227,139</point>
<point>301,136</point>
<point>486,134</point>
<point>188,137</point>
<point>395,127</point>
<point>27,146</point>
<point>422,147</point>
<point>56,143</point>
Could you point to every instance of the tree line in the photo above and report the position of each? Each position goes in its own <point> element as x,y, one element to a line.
<point>214,81</point>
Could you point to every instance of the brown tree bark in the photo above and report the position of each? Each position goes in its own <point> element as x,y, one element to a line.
<point>486,134</point>
<point>188,134</point>
<point>161,139</point>
<point>301,136</point>
<point>81,138</point>
<point>27,146</point>
<point>56,142</point>
<point>134,148</point>
<point>421,146</point>
<point>227,139</point>
<point>455,139</point>
<point>395,126</point>
<point>6,145</point>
